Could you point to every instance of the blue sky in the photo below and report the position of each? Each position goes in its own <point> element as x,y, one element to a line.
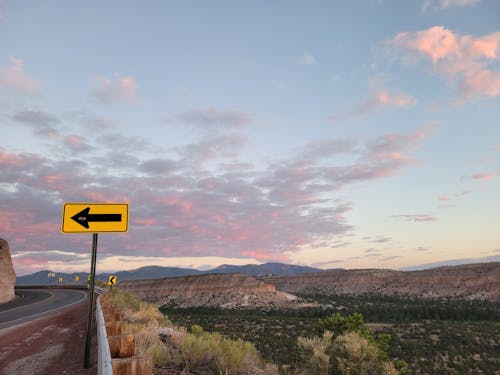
<point>336,134</point>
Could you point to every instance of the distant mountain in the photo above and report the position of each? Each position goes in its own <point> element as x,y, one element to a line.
<point>452,262</point>
<point>155,272</point>
<point>280,269</point>
<point>158,272</point>
<point>42,278</point>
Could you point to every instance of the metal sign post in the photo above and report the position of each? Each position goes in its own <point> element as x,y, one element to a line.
<point>86,361</point>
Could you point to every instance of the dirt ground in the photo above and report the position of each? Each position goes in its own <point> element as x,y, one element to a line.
<point>51,345</point>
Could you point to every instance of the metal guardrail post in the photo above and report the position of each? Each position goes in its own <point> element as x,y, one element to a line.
<point>104,366</point>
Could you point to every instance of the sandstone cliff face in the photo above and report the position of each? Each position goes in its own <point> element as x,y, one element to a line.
<point>475,281</point>
<point>7,274</point>
<point>219,290</point>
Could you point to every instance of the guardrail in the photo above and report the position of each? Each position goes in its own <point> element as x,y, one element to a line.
<point>116,351</point>
<point>104,364</point>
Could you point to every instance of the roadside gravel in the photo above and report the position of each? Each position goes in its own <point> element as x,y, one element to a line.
<point>51,345</point>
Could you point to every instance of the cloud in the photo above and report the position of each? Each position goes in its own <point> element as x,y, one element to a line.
<point>380,239</point>
<point>463,59</point>
<point>40,121</point>
<point>485,176</point>
<point>379,99</point>
<point>427,5</point>
<point>415,217</point>
<point>210,148</point>
<point>15,78</point>
<point>158,166</point>
<point>117,90</point>
<point>178,205</point>
<point>76,143</point>
<point>328,147</point>
<point>452,198</point>
<point>212,117</point>
<point>385,259</point>
<point>89,121</point>
<point>308,59</point>
<point>422,249</point>
<point>3,17</point>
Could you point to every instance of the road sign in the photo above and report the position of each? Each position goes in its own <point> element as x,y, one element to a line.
<point>111,280</point>
<point>60,280</point>
<point>77,278</point>
<point>88,279</point>
<point>94,217</point>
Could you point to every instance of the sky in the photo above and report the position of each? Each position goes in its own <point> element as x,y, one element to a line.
<point>353,134</point>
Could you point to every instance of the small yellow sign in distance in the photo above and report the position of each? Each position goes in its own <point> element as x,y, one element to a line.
<point>94,217</point>
<point>111,280</point>
<point>77,278</point>
<point>60,280</point>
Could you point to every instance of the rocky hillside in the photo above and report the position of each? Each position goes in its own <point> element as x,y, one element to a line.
<point>473,281</point>
<point>7,274</point>
<point>219,290</point>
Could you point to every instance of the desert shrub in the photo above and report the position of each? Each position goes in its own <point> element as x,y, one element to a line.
<point>196,350</point>
<point>213,353</point>
<point>347,354</point>
<point>315,350</point>
<point>352,354</point>
<point>345,345</point>
<point>140,319</point>
<point>123,300</point>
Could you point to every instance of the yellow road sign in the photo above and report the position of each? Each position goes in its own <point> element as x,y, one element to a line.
<point>94,217</point>
<point>111,280</point>
<point>60,280</point>
<point>77,278</point>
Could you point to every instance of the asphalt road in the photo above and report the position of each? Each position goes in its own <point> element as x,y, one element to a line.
<point>31,304</point>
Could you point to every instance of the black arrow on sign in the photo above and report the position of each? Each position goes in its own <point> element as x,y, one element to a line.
<point>84,218</point>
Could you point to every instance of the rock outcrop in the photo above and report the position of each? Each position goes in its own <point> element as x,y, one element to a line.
<point>473,281</point>
<point>7,274</point>
<point>219,290</point>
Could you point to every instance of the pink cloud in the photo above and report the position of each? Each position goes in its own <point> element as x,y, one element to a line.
<point>262,255</point>
<point>462,58</point>
<point>227,211</point>
<point>395,99</point>
<point>437,43</point>
<point>485,176</point>
<point>41,122</point>
<point>15,78</point>
<point>484,82</point>
<point>378,99</point>
<point>118,90</point>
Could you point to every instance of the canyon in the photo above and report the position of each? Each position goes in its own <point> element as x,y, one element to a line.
<point>471,281</point>
<point>218,290</point>
<point>476,281</point>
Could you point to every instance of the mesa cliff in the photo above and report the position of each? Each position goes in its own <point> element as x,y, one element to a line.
<point>7,274</point>
<point>475,281</point>
<point>472,281</point>
<point>217,290</point>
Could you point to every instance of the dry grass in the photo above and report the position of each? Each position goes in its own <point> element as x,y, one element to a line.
<point>197,351</point>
